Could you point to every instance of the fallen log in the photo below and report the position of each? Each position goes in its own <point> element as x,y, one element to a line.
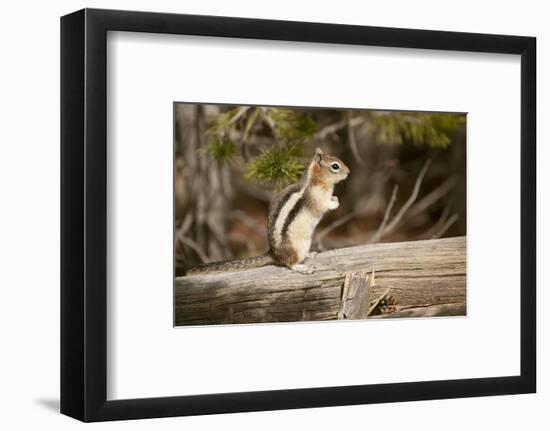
<point>418,274</point>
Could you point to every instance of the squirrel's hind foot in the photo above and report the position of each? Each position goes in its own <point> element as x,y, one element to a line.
<point>302,269</point>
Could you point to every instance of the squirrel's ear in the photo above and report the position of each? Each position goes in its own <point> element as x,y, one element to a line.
<point>318,155</point>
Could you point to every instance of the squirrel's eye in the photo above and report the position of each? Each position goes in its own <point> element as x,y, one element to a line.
<point>335,167</point>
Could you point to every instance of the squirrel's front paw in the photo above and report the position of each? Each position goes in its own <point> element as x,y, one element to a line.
<point>334,203</point>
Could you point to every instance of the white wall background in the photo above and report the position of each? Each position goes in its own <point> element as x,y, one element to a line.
<point>29,220</point>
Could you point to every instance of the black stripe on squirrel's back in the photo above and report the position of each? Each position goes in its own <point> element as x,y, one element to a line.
<point>232,265</point>
<point>292,215</point>
<point>285,196</point>
<point>276,207</point>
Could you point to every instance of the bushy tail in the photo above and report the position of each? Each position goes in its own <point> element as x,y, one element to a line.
<point>232,265</point>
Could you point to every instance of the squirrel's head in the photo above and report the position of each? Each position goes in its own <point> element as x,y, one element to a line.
<point>331,169</point>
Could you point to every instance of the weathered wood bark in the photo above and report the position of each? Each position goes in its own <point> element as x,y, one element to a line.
<point>354,303</point>
<point>418,274</point>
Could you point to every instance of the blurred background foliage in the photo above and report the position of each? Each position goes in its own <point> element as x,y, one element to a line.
<point>407,181</point>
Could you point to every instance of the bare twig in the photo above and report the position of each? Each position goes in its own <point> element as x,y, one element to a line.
<point>395,221</point>
<point>376,302</point>
<point>335,127</point>
<point>450,221</point>
<point>336,224</point>
<point>246,133</point>
<point>217,231</point>
<point>376,237</point>
<point>269,121</point>
<point>320,246</point>
<point>437,225</point>
<point>352,141</point>
<point>186,224</point>
<point>195,246</point>
<point>240,112</point>
<point>432,197</point>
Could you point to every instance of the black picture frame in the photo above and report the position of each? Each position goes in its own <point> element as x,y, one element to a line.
<point>84,214</point>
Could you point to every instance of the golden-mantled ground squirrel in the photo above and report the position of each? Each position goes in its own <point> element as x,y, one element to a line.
<point>293,217</point>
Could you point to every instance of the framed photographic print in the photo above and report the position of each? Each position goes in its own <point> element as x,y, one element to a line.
<point>262,215</point>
